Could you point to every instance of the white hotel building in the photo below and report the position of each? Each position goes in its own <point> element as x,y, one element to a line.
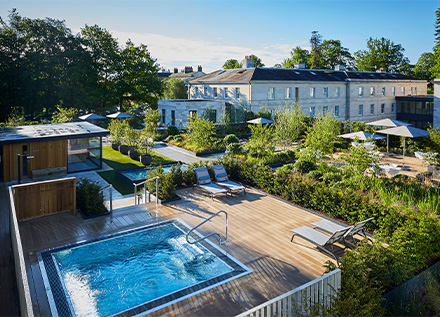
<point>349,95</point>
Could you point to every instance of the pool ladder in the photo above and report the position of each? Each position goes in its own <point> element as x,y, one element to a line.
<point>220,241</point>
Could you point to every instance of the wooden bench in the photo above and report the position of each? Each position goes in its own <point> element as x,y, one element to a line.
<point>49,173</point>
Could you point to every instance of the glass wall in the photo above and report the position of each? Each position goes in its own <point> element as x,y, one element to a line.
<point>84,154</point>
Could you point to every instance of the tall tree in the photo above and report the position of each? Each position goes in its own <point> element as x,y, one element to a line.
<point>174,88</point>
<point>257,61</point>
<point>423,68</point>
<point>297,55</point>
<point>138,80</point>
<point>231,64</point>
<point>436,68</point>
<point>316,51</point>
<point>333,53</point>
<point>380,53</point>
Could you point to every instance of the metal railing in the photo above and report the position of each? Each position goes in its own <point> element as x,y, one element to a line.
<point>220,242</point>
<point>145,190</point>
<point>300,301</point>
<point>110,195</point>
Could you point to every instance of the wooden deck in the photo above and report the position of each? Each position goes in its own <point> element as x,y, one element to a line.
<point>258,233</point>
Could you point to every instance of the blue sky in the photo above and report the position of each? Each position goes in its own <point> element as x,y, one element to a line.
<point>208,32</point>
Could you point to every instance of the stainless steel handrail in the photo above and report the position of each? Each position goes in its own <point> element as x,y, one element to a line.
<point>220,242</point>
<point>145,188</point>
<point>110,193</point>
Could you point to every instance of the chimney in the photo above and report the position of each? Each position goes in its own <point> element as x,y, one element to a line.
<point>380,70</point>
<point>340,67</point>
<point>176,70</point>
<point>199,68</point>
<point>300,66</point>
<point>188,69</point>
<point>248,62</point>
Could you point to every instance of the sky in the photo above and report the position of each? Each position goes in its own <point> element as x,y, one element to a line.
<point>209,32</point>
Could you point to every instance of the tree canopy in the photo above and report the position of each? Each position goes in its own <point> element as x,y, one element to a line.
<point>174,88</point>
<point>257,61</point>
<point>43,65</point>
<point>436,69</point>
<point>297,55</point>
<point>333,53</point>
<point>231,64</point>
<point>380,53</point>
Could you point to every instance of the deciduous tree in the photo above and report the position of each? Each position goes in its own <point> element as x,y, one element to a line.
<point>231,64</point>
<point>174,88</point>
<point>315,59</point>
<point>333,53</point>
<point>297,55</point>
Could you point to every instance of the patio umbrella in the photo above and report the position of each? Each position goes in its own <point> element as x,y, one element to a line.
<point>406,132</point>
<point>361,135</point>
<point>387,123</point>
<point>260,120</point>
<point>91,116</point>
<point>119,115</point>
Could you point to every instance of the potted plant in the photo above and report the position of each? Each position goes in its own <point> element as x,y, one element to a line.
<point>116,128</point>
<point>128,138</point>
<point>142,147</point>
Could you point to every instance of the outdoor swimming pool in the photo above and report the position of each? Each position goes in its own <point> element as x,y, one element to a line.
<point>143,174</point>
<point>146,268</point>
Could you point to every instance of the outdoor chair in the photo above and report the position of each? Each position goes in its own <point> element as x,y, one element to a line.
<point>204,182</point>
<point>331,227</point>
<point>321,240</point>
<point>222,179</point>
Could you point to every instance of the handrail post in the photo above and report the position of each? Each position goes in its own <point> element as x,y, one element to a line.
<point>157,191</point>
<point>135,194</point>
<point>111,197</point>
<point>212,234</point>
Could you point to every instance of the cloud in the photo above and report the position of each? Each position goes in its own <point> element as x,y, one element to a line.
<point>173,52</point>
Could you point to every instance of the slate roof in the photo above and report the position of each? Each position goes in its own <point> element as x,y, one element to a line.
<point>43,132</point>
<point>246,75</point>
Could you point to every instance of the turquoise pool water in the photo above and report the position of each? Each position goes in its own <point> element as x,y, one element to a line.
<point>143,174</point>
<point>115,274</point>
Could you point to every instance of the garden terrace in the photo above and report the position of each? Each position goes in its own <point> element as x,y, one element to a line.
<point>258,233</point>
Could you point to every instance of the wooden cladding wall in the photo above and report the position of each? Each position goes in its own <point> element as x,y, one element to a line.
<point>44,198</point>
<point>47,154</point>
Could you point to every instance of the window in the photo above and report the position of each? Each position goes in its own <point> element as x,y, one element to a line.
<point>312,111</point>
<point>393,91</point>
<point>196,90</point>
<point>173,117</point>
<point>324,109</point>
<point>226,92</point>
<point>312,92</point>
<point>412,91</point>
<point>237,93</point>
<point>372,91</point>
<point>403,91</point>
<point>193,113</point>
<point>325,92</point>
<point>415,91</point>
<point>205,91</point>
<point>337,111</point>
<point>212,115</point>
<point>382,108</point>
<point>393,107</point>
<point>361,110</point>
<point>338,91</point>
<point>215,92</point>
<point>288,93</point>
<point>372,109</point>
<point>361,91</point>
<point>296,94</point>
<point>163,116</point>
<point>271,93</point>
<point>383,91</point>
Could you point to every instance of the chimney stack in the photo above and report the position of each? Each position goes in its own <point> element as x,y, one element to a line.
<point>188,69</point>
<point>340,67</point>
<point>176,70</point>
<point>300,66</point>
<point>199,68</point>
<point>248,62</point>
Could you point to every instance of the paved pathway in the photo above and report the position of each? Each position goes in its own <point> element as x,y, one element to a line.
<point>9,305</point>
<point>180,155</point>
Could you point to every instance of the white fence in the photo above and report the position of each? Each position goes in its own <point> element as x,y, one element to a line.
<point>297,302</point>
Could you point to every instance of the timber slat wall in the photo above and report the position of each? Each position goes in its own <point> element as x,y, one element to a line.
<point>47,154</point>
<point>44,198</point>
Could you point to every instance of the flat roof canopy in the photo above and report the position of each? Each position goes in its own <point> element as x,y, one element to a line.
<point>46,132</point>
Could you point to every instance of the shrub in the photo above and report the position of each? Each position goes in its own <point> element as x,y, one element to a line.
<point>218,144</point>
<point>167,187</point>
<point>178,138</point>
<point>169,138</point>
<point>234,149</point>
<point>315,174</point>
<point>230,138</point>
<point>172,130</point>
<point>89,197</point>
<point>303,166</point>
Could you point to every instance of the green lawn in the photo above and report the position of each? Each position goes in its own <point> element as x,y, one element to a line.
<point>117,161</point>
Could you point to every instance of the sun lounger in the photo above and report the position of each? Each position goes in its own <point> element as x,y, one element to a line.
<point>331,227</point>
<point>204,182</point>
<point>222,179</point>
<point>321,240</point>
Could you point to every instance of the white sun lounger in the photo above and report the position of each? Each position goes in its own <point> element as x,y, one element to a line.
<point>331,227</point>
<point>204,182</point>
<point>321,240</point>
<point>222,179</point>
